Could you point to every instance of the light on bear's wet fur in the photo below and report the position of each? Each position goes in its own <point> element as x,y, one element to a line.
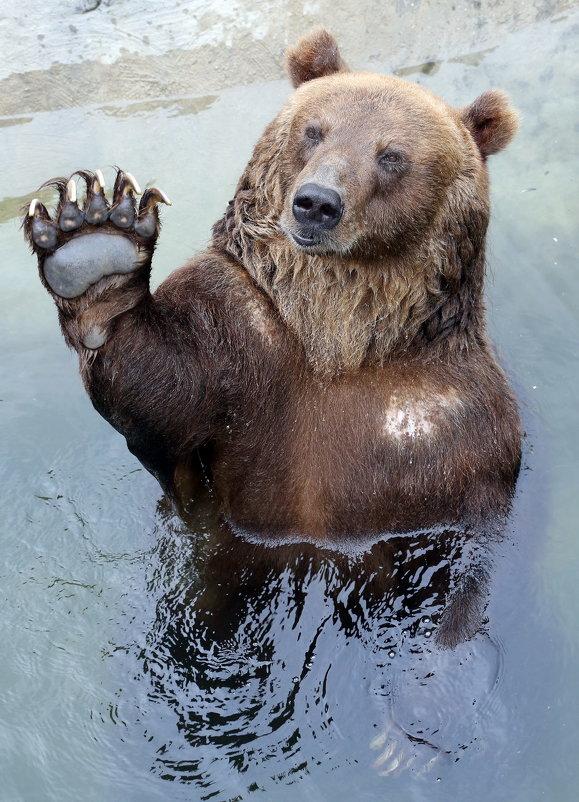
<point>322,371</point>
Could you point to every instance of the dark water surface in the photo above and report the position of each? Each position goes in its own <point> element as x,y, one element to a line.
<point>129,672</point>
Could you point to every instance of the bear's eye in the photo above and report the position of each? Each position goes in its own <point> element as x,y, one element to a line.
<point>391,159</point>
<point>313,134</point>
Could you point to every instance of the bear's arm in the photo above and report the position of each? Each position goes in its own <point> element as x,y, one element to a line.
<point>153,365</point>
<point>158,378</point>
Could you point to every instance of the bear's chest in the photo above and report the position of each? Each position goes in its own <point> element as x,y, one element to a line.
<point>374,415</point>
<point>353,455</point>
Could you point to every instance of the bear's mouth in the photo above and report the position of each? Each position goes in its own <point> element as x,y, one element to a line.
<point>311,241</point>
<point>305,242</point>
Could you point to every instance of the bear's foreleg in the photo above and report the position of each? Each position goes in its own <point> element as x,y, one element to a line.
<point>143,362</point>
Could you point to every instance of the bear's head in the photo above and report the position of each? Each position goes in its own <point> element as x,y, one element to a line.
<point>369,159</point>
<point>364,208</point>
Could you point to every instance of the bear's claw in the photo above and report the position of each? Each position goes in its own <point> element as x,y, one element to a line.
<point>147,219</point>
<point>123,212</point>
<point>96,206</point>
<point>42,231</point>
<point>79,245</point>
<point>71,217</point>
<point>45,232</point>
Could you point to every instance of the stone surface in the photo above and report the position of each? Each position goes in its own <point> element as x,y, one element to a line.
<point>80,52</point>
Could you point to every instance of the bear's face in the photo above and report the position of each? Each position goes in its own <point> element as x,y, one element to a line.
<point>370,159</point>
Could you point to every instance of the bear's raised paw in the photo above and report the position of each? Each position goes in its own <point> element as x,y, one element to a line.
<point>77,247</point>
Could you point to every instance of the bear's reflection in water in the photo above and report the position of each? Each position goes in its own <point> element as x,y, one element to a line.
<point>277,658</point>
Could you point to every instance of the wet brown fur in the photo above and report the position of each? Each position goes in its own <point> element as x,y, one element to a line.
<point>278,376</point>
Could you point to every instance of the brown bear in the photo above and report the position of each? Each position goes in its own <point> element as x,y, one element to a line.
<point>323,367</point>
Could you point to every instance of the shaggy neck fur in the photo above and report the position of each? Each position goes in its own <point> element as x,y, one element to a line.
<point>349,311</point>
<point>344,312</point>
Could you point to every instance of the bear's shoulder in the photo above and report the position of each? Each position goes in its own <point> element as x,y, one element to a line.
<point>216,285</point>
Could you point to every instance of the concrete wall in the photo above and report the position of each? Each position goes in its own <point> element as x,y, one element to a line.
<point>67,53</point>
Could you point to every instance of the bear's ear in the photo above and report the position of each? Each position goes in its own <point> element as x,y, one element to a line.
<point>491,120</point>
<point>314,56</point>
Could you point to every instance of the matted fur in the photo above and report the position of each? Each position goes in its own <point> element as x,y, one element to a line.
<point>325,390</point>
<point>349,309</point>
<point>348,388</point>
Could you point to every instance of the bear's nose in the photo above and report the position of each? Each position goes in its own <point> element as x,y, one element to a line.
<point>318,207</point>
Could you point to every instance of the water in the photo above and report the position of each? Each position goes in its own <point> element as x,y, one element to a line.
<point>113,684</point>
